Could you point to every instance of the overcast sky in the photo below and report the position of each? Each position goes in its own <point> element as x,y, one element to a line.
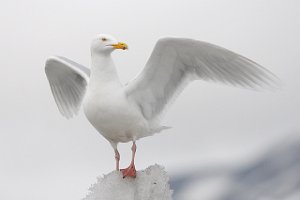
<point>45,156</point>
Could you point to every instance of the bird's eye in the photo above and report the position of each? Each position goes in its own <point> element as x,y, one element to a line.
<point>103,39</point>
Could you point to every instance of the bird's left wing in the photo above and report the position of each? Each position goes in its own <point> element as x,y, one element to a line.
<point>175,62</point>
<point>68,81</point>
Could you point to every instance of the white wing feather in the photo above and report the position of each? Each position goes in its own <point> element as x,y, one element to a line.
<point>68,81</point>
<point>175,62</point>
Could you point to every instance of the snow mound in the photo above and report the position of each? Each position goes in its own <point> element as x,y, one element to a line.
<point>149,184</point>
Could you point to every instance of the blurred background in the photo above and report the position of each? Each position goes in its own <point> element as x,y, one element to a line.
<point>226,143</point>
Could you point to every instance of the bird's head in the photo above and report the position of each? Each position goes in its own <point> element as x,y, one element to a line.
<point>106,44</point>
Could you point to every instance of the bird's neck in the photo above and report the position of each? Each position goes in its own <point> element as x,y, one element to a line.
<point>103,70</point>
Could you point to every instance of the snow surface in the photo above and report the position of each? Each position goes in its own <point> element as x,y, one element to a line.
<point>149,184</point>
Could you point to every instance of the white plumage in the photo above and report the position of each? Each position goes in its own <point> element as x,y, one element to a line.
<point>68,81</point>
<point>123,113</point>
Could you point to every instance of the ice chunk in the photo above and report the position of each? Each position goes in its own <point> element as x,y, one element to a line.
<point>149,184</point>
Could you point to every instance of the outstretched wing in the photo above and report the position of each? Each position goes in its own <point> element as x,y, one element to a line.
<point>176,61</point>
<point>68,81</point>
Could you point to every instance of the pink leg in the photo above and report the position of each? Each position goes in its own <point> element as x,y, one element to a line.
<point>130,171</point>
<point>117,157</point>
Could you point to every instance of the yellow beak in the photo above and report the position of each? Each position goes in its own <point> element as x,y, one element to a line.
<point>120,45</point>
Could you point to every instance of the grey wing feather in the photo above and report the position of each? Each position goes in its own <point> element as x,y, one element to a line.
<point>175,62</point>
<point>68,81</point>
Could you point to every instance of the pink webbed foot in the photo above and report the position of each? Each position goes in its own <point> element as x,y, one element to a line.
<point>129,172</point>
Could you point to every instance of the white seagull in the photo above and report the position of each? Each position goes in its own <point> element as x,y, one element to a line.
<point>123,113</point>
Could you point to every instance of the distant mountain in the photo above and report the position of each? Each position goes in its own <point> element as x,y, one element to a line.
<point>275,176</point>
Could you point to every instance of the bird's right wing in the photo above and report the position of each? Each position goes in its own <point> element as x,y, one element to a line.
<point>68,81</point>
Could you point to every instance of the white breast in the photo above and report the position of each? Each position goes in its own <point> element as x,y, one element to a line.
<point>113,116</point>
